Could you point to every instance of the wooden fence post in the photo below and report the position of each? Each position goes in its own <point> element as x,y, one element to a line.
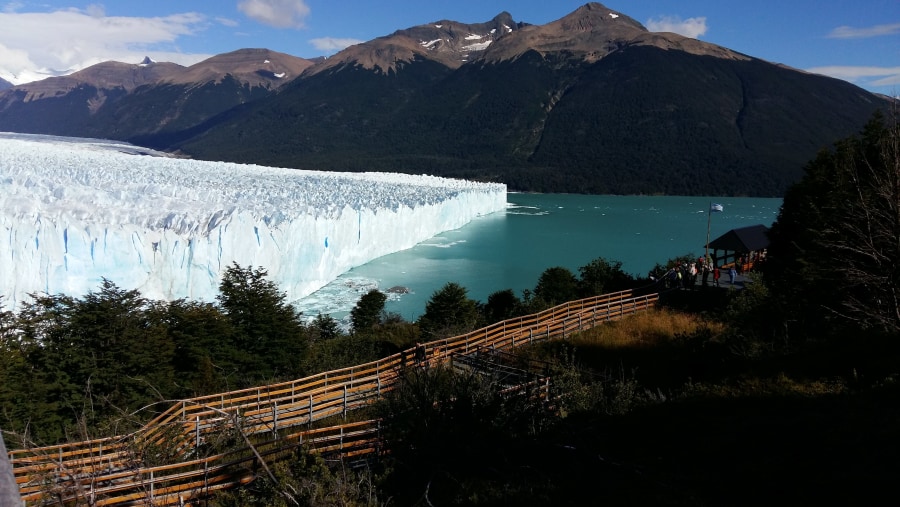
<point>275,420</point>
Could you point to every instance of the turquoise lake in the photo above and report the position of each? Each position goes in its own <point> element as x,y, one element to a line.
<point>510,250</point>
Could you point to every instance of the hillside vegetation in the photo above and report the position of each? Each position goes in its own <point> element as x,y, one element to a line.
<point>641,120</point>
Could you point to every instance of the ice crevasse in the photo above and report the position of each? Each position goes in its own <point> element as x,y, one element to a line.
<point>73,212</point>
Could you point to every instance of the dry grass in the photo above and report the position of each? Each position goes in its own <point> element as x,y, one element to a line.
<point>780,385</point>
<point>646,329</point>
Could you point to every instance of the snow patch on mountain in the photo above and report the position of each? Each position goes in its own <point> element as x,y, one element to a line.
<point>478,46</point>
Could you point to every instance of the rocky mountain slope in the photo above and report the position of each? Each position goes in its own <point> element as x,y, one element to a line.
<point>121,100</point>
<point>592,102</point>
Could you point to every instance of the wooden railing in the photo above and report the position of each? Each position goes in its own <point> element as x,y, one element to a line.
<point>93,467</point>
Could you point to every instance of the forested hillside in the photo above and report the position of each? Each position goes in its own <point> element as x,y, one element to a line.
<point>641,120</point>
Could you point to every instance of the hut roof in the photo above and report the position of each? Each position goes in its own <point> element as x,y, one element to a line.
<point>743,240</point>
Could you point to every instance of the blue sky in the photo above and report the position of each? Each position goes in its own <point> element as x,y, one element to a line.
<point>857,41</point>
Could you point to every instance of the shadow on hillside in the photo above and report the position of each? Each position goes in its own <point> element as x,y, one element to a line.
<point>836,449</point>
<point>818,425</point>
<point>766,450</point>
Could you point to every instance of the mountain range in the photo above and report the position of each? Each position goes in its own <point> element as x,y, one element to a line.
<point>592,102</point>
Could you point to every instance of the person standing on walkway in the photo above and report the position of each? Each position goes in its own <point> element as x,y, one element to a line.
<point>732,273</point>
<point>716,275</point>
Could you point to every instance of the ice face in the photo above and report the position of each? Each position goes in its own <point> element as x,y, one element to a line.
<point>73,212</point>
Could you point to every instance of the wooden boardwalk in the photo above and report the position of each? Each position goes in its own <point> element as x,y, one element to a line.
<point>279,418</point>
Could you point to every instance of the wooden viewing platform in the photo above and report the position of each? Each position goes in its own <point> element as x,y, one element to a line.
<point>114,470</point>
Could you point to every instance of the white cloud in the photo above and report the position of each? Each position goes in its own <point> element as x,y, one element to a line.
<point>12,6</point>
<point>872,78</point>
<point>41,44</point>
<point>690,27</point>
<point>277,13</point>
<point>227,22</point>
<point>849,32</point>
<point>333,43</point>
<point>95,10</point>
<point>886,76</point>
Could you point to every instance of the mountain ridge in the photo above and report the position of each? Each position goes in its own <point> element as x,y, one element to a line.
<point>592,102</point>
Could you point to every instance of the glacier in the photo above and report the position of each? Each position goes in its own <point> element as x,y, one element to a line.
<point>76,211</point>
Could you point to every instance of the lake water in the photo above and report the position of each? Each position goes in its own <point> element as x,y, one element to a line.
<point>510,250</point>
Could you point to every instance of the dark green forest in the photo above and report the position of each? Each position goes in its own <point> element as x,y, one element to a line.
<point>785,391</point>
<point>75,368</point>
<point>641,120</point>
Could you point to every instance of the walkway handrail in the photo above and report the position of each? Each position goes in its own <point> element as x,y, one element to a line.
<point>302,401</point>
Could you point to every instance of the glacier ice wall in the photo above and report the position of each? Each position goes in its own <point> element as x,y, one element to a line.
<point>73,213</point>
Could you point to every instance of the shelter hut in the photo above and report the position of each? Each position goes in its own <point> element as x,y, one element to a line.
<point>742,247</point>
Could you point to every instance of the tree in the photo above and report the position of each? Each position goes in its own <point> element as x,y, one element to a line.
<point>834,246</point>
<point>205,348</point>
<point>326,327</point>
<point>127,345</point>
<point>367,311</point>
<point>556,285</point>
<point>85,360</point>
<point>502,305</point>
<point>270,336</point>
<point>449,312</point>
<point>602,276</point>
<point>447,431</point>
